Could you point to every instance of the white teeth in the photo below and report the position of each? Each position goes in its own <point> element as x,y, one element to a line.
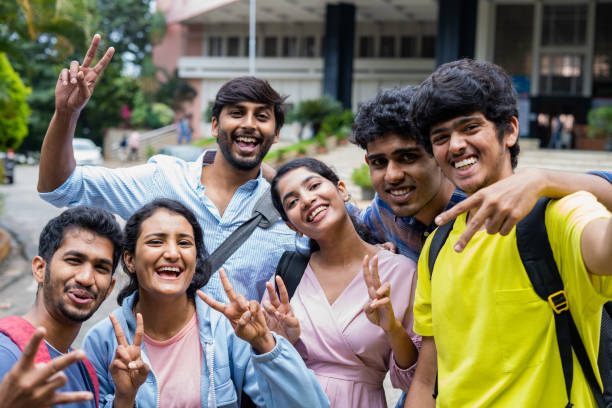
<point>400,192</point>
<point>465,162</point>
<point>316,212</point>
<point>245,139</point>
<point>169,269</point>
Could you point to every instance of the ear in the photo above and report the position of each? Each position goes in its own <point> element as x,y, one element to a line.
<point>511,137</point>
<point>292,228</point>
<point>343,191</point>
<point>110,288</point>
<point>129,262</point>
<point>39,265</point>
<point>365,157</point>
<point>276,135</point>
<point>215,127</point>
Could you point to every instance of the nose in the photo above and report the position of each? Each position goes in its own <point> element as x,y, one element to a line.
<point>248,120</point>
<point>393,173</point>
<point>171,252</point>
<point>457,143</point>
<point>85,276</point>
<point>307,198</point>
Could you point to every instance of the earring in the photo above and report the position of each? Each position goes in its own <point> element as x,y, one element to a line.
<point>348,197</point>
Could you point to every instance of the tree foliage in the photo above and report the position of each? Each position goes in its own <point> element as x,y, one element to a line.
<point>14,109</point>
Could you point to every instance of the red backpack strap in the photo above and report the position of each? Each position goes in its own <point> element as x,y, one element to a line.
<point>19,330</point>
<point>94,379</point>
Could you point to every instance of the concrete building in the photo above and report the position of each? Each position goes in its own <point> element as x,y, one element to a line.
<point>559,52</point>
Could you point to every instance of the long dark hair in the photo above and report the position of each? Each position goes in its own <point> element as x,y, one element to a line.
<point>323,170</point>
<point>132,231</point>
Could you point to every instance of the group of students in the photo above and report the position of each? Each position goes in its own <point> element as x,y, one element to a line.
<point>338,313</point>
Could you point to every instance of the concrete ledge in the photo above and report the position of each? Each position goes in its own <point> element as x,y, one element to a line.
<point>5,244</point>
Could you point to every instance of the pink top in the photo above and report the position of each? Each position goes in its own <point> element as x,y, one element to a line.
<point>350,355</point>
<point>176,367</point>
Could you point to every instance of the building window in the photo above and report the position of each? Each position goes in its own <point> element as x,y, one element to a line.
<point>428,46</point>
<point>366,47</point>
<point>561,74</point>
<point>602,56</point>
<point>387,47</point>
<point>408,47</point>
<point>307,47</point>
<point>270,47</point>
<point>290,48</point>
<point>514,40</point>
<point>564,25</point>
<point>233,46</point>
<point>214,46</point>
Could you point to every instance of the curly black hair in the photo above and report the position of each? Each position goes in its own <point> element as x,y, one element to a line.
<point>388,112</point>
<point>462,87</point>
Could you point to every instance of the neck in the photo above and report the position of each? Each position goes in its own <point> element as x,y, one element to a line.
<point>437,204</point>
<point>343,245</point>
<point>164,317</point>
<point>224,175</point>
<point>60,334</point>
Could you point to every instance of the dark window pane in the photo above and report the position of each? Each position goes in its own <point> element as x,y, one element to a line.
<point>564,25</point>
<point>307,48</point>
<point>214,46</point>
<point>602,58</point>
<point>408,47</point>
<point>270,47</point>
<point>290,47</point>
<point>387,47</point>
<point>366,47</point>
<point>233,46</point>
<point>428,46</point>
<point>514,39</point>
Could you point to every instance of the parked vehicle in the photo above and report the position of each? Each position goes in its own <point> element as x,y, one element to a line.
<point>86,152</point>
<point>185,152</point>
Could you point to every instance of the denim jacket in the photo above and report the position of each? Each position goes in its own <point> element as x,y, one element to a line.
<point>278,378</point>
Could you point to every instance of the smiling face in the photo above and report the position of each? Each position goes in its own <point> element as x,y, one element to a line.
<point>313,204</point>
<point>78,277</point>
<point>245,131</point>
<point>469,152</point>
<point>165,256</point>
<point>403,174</point>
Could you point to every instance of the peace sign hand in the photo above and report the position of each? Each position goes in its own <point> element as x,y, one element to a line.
<point>35,385</point>
<point>279,316</point>
<point>75,85</point>
<point>379,309</point>
<point>128,370</point>
<point>246,317</point>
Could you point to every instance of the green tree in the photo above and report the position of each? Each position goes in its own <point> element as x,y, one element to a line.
<point>14,109</point>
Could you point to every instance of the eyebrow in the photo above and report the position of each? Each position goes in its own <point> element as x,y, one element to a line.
<point>456,123</point>
<point>82,255</point>
<point>394,152</point>
<point>259,107</point>
<point>306,180</point>
<point>163,234</point>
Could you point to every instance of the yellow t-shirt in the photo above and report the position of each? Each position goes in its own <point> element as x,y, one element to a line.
<point>495,336</point>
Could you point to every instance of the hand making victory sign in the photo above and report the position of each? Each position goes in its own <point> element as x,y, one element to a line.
<point>247,317</point>
<point>35,385</point>
<point>76,84</point>
<point>379,310</point>
<point>279,315</point>
<point>128,370</point>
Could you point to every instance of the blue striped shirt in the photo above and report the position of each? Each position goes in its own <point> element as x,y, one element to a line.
<point>407,233</point>
<point>125,190</point>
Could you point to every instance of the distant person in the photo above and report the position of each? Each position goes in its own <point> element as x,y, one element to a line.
<point>9,166</point>
<point>123,148</point>
<point>221,187</point>
<point>185,129</point>
<point>77,255</point>
<point>200,352</point>
<point>555,133</point>
<point>134,145</point>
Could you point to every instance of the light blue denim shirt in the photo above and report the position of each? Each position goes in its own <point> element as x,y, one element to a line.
<point>124,190</point>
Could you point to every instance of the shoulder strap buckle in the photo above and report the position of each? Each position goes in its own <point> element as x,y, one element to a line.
<point>558,302</point>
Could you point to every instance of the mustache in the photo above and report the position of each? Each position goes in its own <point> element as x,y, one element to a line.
<point>239,133</point>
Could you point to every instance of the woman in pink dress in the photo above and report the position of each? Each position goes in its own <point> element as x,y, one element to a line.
<point>348,327</point>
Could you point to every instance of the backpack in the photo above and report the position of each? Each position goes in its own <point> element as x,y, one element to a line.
<point>537,258</point>
<point>290,268</point>
<point>20,331</point>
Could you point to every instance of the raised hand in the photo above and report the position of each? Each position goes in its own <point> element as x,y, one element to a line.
<point>378,309</point>
<point>279,316</point>
<point>246,317</point>
<point>128,370</point>
<point>35,385</point>
<point>76,84</point>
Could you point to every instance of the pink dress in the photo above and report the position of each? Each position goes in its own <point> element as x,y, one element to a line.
<point>349,355</point>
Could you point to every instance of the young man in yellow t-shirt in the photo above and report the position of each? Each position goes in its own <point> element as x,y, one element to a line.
<point>487,334</point>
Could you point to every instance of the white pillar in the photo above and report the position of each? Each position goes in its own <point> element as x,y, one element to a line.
<point>252,38</point>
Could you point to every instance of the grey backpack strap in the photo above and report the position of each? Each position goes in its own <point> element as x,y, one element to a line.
<point>263,216</point>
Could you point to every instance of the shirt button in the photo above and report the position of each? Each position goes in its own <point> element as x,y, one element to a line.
<point>426,234</point>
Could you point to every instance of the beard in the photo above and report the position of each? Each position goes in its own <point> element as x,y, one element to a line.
<point>66,311</point>
<point>225,142</point>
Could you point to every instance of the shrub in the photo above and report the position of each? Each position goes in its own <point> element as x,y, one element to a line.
<point>314,111</point>
<point>14,110</point>
<point>600,122</point>
<point>361,176</point>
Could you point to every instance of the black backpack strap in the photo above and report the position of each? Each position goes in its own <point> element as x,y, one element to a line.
<point>290,268</point>
<point>537,258</point>
<point>263,216</point>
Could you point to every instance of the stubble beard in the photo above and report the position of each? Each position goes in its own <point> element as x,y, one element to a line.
<point>225,142</point>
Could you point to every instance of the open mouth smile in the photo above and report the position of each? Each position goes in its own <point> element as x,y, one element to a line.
<point>169,272</point>
<point>400,194</point>
<point>465,164</point>
<point>317,213</point>
<point>246,144</point>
